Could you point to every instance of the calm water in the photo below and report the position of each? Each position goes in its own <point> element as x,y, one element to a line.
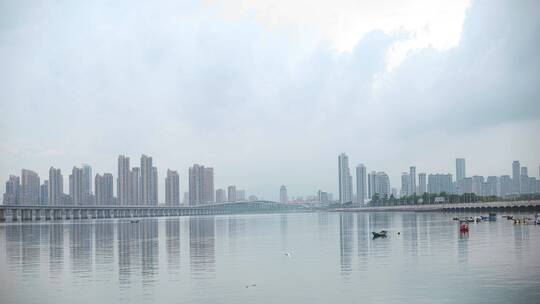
<point>212,260</point>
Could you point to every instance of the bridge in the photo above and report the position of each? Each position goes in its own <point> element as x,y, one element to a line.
<point>531,206</point>
<point>54,212</point>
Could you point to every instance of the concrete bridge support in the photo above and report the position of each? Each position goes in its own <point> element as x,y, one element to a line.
<point>14,214</point>
<point>47,214</point>
<point>2,215</point>
<point>37,214</point>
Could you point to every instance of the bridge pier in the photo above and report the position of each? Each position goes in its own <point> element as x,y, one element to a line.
<point>14,215</point>
<point>84,214</point>
<point>37,215</point>
<point>47,214</point>
<point>2,215</point>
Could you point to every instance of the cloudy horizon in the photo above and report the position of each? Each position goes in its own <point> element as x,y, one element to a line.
<point>270,93</point>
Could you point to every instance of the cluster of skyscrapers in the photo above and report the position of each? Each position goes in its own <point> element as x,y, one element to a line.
<point>135,186</point>
<point>378,183</point>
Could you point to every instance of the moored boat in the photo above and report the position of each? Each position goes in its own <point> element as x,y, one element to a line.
<point>382,233</point>
<point>464,227</point>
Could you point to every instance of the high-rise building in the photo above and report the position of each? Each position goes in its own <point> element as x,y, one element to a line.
<point>44,193</point>
<point>104,189</point>
<point>382,184</point>
<point>344,179</point>
<point>172,188</point>
<point>30,188</point>
<point>412,177</point>
<point>492,186</point>
<point>405,180</point>
<point>322,197</point>
<point>283,197</point>
<point>477,182</point>
<point>154,188</point>
<point>371,184</point>
<point>422,183</point>
<point>135,196</point>
<point>438,183</point>
<point>87,180</point>
<point>122,187</point>
<point>231,193</point>
<point>524,186</point>
<point>185,200</point>
<point>56,187</point>
<point>460,169</point>
<point>76,186</point>
<point>221,196</point>
<point>13,191</point>
<point>505,185</point>
<point>201,185</point>
<point>516,177</point>
<point>241,195</point>
<point>146,180</point>
<point>361,183</point>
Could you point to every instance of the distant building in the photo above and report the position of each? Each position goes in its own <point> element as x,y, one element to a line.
<point>185,200</point>
<point>154,189</point>
<point>460,169</point>
<point>87,181</point>
<point>516,177</point>
<point>56,187</point>
<point>405,180</point>
<point>30,188</point>
<point>44,193</point>
<point>240,195</point>
<point>371,184</point>
<point>524,181</point>
<point>252,198</point>
<point>477,182</point>
<point>76,187</point>
<point>172,188</point>
<point>13,191</point>
<point>122,185</point>
<point>283,197</point>
<point>221,196</point>
<point>135,195</point>
<point>104,189</point>
<point>505,185</point>
<point>344,179</point>
<point>361,183</point>
<point>422,183</point>
<point>231,194</point>
<point>382,184</point>
<point>201,185</point>
<point>492,186</point>
<point>438,183</point>
<point>412,182</point>
<point>322,197</point>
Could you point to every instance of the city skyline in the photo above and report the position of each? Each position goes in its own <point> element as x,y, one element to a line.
<point>202,184</point>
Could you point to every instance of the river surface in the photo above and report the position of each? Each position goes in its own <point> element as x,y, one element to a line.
<point>271,258</point>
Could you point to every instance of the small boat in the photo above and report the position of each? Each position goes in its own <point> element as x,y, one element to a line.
<point>478,219</point>
<point>455,218</point>
<point>379,234</point>
<point>484,218</point>
<point>463,227</point>
<point>537,220</point>
<point>508,217</point>
<point>134,221</point>
<point>492,216</point>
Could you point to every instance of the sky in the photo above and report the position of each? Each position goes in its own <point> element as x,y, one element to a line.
<point>270,92</point>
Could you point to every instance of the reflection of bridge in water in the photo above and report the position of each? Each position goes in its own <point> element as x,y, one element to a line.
<point>29,213</point>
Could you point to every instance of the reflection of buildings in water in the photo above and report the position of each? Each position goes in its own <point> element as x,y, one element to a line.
<point>463,244</point>
<point>202,245</point>
<point>236,226</point>
<point>172,244</point>
<point>80,240</point>
<point>30,249</point>
<point>13,245</point>
<point>56,248</point>
<point>410,233</point>
<point>323,223</point>
<point>128,249</point>
<point>283,228</point>
<point>104,236</point>
<point>150,249</point>
<point>364,235</point>
<point>346,231</point>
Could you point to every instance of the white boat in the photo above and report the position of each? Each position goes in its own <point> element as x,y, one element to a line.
<point>537,220</point>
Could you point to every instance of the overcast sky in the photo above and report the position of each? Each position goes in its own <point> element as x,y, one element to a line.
<point>270,92</point>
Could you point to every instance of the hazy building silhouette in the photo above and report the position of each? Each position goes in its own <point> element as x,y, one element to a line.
<point>30,187</point>
<point>201,185</point>
<point>361,183</point>
<point>344,179</point>
<point>172,188</point>
<point>231,194</point>
<point>56,187</point>
<point>122,185</point>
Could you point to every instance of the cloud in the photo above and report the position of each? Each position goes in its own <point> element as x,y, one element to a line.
<point>266,105</point>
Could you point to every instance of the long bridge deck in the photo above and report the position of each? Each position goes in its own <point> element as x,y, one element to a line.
<point>56,212</point>
<point>533,205</point>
